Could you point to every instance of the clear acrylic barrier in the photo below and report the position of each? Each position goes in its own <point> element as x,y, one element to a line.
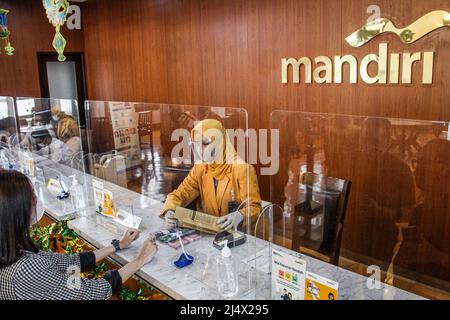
<point>51,128</point>
<point>142,152</point>
<point>8,125</point>
<point>367,194</point>
<point>46,146</point>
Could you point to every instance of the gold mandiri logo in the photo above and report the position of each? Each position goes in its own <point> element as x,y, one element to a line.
<point>324,66</point>
<point>418,29</point>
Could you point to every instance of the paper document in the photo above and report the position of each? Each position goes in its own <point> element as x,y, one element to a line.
<point>200,221</point>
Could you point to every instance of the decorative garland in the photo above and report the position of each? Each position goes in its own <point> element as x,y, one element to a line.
<point>58,237</point>
<point>5,33</point>
<point>56,11</point>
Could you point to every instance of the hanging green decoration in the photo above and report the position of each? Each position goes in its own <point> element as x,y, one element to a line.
<point>57,15</point>
<point>4,32</point>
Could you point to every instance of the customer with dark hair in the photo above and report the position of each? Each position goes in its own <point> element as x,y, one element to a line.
<point>27,273</point>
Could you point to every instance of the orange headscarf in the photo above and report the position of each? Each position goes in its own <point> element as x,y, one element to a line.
<point>226,155</point>
<point>67,128</point>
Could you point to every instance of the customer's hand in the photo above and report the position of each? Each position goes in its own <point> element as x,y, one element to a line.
<point>232,220</point>
<point>147,251</point>
<point>170,222</point>
<point>129,236</point>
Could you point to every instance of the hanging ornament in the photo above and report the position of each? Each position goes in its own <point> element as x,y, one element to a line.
<point>57,15</point>
<point>4,32</point>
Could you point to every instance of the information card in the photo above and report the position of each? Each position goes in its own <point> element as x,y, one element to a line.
<point>103,199</point>
<point>288,276</point>
<point>320,288</point>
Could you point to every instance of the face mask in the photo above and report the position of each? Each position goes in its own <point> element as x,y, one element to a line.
<point>55,118</point>
<point>41,145</point>
<point>209,154</point>
<point>205,153</point>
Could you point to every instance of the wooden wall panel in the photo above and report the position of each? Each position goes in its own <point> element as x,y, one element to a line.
<point>228,53</point>
<point>125,50</point>
<point>30,33</point>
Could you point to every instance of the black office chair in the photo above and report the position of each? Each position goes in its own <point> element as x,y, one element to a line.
<point>319,215</point>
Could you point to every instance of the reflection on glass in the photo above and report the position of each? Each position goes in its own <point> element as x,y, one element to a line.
<point>8,130</point>
<point>49,128</point>
<point>398,214</point>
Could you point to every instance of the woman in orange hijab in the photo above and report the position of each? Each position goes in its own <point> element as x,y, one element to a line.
<point>218,180</point>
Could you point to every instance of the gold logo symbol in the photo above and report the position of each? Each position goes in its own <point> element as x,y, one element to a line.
<point>418,29</point>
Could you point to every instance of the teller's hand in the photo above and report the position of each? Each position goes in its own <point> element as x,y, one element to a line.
<point>170,222</point>
<point>232,220</point>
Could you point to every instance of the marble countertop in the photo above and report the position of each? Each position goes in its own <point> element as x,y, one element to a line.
<point>198,281</point>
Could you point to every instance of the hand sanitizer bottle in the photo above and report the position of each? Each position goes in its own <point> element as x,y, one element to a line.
<point>77,194</point>
<point>227,280</point>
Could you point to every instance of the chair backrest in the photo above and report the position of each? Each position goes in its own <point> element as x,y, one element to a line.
<point>325,200</point>
<point>145,118</point>
<point>102,139</point>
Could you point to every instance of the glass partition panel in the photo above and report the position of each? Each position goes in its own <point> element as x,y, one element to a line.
<point>152,139</point>
<point>368,194</point>
<point>189,159</point>
<point>50,128</point>
<point>42,140</point>
<point>8,125</point>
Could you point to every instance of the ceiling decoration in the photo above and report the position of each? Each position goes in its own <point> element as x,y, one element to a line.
<point>5,33</point>
<point>56,11</point>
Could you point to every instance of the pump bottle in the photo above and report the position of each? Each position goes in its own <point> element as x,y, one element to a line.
<point>77,194</point>
<point>227,280</point>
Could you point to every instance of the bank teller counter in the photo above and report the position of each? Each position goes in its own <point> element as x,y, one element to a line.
<point>366,191</point>
<point>199,279</point>
<point>127,181</point>
<point>257,260</point>
<point>186,266</point>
